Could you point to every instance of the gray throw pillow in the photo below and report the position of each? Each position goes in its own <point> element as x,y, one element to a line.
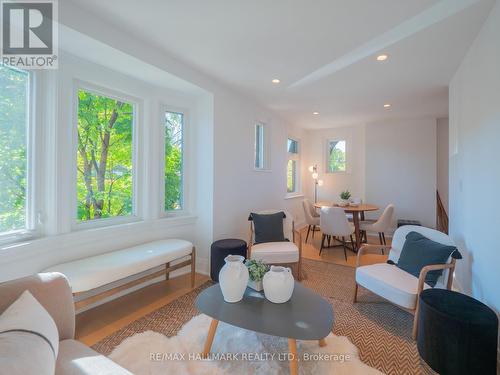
<point>419,251</point>
<point>268,227</point>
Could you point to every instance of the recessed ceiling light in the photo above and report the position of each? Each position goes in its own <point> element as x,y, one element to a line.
<point>315,113</point>
<point>276,80</point>
<point>387,106</point>
<point>382,57</point>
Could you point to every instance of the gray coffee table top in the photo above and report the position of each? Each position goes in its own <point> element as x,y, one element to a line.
<point>306,316</point>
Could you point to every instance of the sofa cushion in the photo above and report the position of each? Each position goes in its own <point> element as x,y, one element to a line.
<point>275,252</point>
<point>419,251</point>
<point>29,340</point>
<point>390,282</point>
<point>76,358</point>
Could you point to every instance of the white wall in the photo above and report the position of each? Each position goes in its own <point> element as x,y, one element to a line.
<point>334,183</point>
<point>442,141</point>
<point>474,164</point>
<point>401,168</point>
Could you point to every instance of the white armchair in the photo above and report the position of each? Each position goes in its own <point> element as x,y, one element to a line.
<point>394,284</point>
<point>288,252</point>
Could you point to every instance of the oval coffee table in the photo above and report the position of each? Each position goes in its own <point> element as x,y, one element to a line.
<point>306,316</point>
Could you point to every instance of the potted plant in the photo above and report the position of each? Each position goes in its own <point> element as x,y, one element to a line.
<point>256,270</point>
<point>345,196</point>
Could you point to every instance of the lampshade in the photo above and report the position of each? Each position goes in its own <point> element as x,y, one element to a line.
<point>311,168</point>
<point>320,182</point>
<point>315,175</point>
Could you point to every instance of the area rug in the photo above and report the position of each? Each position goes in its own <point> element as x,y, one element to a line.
<point>234,351</point>
<point>380,331</point>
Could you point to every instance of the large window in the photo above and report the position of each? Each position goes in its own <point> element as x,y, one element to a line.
<point>261,154</point>
<point>174,126</point>
<point>292,172</point>
<point>105,149</point>
<point>336,158</point>
<point>14,130</point>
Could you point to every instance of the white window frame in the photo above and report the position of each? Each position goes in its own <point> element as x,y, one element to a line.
<point>327,155</point>
<point>32,227</point>
<point>137,106</point>
<point>185,126</point>
<point>265,155</point>
<point>296,157</point>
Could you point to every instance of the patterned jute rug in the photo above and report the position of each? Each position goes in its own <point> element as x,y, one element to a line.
<point>381,331</point>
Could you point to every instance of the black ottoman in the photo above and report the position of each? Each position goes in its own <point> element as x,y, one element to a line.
<point>457,334</point>
<point>221,249</point>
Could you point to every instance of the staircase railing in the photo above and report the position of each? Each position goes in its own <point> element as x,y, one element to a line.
<point>441,215</point>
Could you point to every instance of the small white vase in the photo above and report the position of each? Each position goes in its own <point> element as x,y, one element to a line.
<point>233,278</point>
<point>278,284</point>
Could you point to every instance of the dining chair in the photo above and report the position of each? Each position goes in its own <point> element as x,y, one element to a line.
<point>283,252</point>
<point>334,223</point>
<point>311,216</point>
<point>379,226</point>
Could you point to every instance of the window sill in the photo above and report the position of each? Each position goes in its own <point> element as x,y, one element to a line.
<point>294,195</point>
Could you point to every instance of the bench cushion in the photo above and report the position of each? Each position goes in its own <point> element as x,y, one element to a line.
<point>95,271</point>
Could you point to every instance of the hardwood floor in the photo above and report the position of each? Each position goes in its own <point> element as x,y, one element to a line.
<point>310,250</point>
<point>95,324</point>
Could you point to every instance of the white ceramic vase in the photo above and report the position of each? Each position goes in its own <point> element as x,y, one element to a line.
<point>233,278</point>
<point>278,284</point>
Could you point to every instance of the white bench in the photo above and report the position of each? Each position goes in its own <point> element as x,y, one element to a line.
<point>94,272</point>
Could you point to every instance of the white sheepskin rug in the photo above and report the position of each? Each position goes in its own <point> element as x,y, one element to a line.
<point>234,351</point>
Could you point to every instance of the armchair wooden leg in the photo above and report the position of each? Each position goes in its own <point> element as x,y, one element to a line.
<point>308,230</point>
<point>415,326</point>
<point>193,267</point>
<point>355,299</point>
<point>314,230</point>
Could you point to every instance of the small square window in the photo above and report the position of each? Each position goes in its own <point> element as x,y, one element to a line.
<point>293,146</point>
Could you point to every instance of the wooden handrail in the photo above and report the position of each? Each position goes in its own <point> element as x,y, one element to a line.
<point>441,215</point>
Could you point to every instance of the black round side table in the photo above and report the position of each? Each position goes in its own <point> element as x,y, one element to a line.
<point>221,249</point>
<point>457,334</point>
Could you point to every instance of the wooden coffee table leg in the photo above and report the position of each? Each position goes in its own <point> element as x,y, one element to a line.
<point>210,337</point>
<point>294,365</point>
<point>322,342</point>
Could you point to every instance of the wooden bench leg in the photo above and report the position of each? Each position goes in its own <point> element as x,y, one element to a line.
<point>193,266</point>
<point>167,272</point>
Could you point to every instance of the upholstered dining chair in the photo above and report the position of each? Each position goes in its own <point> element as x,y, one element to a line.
<point>334,223</point>
<point>379,226</point>
<point>396,285</point>
<point>312,218</point>
<point>283,252</point>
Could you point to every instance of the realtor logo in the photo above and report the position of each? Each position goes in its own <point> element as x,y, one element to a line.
<point>29,34</point>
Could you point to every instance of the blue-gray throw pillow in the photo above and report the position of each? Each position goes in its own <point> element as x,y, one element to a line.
<point>268,227</point>
<point>419,251</point>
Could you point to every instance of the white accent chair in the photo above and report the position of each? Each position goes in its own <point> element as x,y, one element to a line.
<point>312,218</point>
<point>379,226</point>
<point>288,252</point>
<point>395,285</point>
<point>334,223</point>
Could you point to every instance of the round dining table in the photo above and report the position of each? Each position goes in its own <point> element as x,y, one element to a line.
<point>358,214</point>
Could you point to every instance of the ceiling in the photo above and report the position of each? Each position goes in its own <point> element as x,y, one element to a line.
<point>323,51</point>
